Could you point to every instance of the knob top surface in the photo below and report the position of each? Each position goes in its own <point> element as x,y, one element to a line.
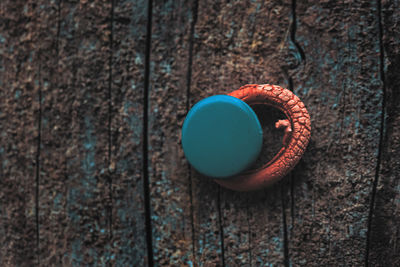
<point>221,136</point>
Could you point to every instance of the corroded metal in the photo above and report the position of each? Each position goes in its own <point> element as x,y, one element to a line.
<point>297,135</point>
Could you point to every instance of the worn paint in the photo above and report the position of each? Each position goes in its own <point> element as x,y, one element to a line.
<point>88,163</point>
<point>134,122</point>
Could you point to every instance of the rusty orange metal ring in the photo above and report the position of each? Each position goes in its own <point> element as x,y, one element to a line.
<point>297,128</point>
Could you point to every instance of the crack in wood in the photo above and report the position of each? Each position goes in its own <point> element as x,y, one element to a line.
<point>382,131</point>
<point>189,80</point>
<point>146,186</point>
<point>39,141</point>
<point>293,28</point>
<point>109,148</point>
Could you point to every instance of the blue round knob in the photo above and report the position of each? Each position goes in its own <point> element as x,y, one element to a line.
<point>221,136</point>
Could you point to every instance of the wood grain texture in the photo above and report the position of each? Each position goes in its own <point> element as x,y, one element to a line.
<point>127,89</point>
<point>74,196</point>
<point>74,132</point>
<point>236,43</point>
<point>339,81</point>
<point>19,117</point>
<point>168,170</point>
<point>384,242</point>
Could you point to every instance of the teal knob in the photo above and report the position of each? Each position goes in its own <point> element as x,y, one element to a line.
<point>221,136</point>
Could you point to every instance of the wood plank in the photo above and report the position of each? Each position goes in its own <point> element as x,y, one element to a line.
<point>74,196</point>
<point>384,245</point>
<point>19,127</point>
<point>168,170</point>
<point>127,89</point>
<point>236,43</point>
<point>340,84</point>
<point>64,84</point>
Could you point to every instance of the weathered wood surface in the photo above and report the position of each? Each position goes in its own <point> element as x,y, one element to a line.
<point>126,89</point>
<point>339,80</point>
<point>93,97</point>
<point>384,239</point>
<point>74,224</point>
<point>168,173</point>
<point>19,124</point>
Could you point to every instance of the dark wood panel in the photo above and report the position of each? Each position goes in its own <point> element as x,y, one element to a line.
<point>339,81</point>
<point>169,180</point>
<point>88,176</point>
<point>126,166</point>
<point>19,124</point>
<point>384,245</point>
<point>74,195</point>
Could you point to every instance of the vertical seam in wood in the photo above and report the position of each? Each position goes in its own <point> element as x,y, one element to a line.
<point>58,28</point>
<point>145,170</point>
<point>221,228</point>
<point>39,140</point>
<point>292,198</point>
<point>189,80</point>
<point>110,78</point>
<point>249,231</point>
<point>285,235</point>
<point>192,213</point>
<point>382,130</point>
<point>190,59</point>
<point>293,29</point>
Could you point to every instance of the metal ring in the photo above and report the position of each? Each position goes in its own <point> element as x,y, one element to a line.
<point>297,128</point>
